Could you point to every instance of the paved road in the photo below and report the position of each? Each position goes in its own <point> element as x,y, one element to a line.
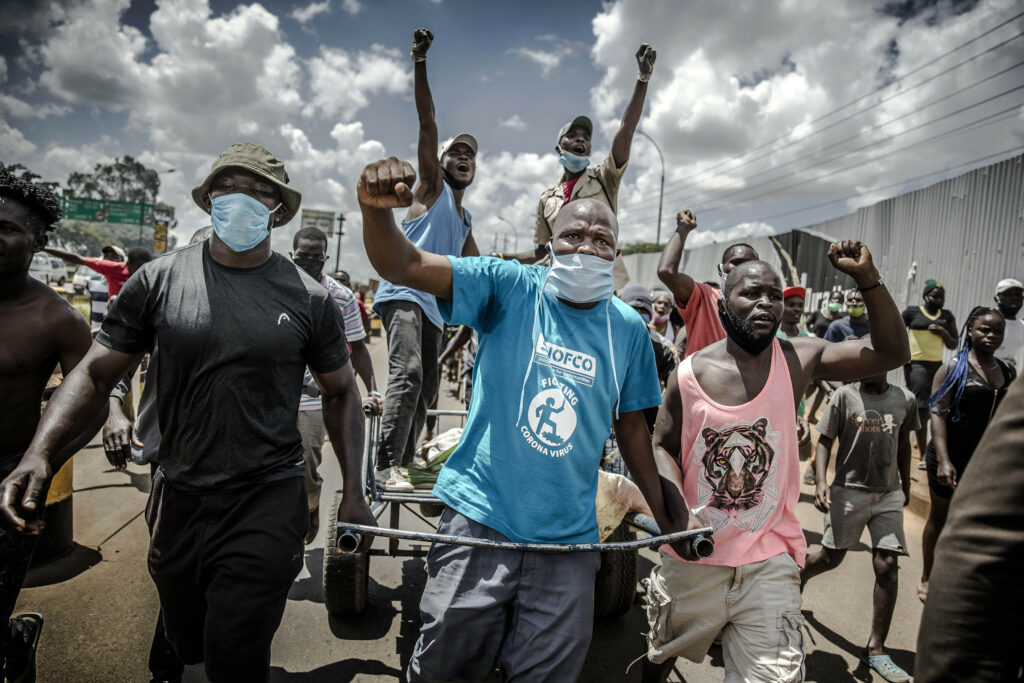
<point>99,621</point>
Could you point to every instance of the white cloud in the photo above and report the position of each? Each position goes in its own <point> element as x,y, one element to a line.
<point>304,14</point>
<point>13,145</point>
<point>342,82</point>
<point>514,122</point>
<point>21,109</point>
<point>351,6</point>
<point>547,60</point>
<point>746,83</point>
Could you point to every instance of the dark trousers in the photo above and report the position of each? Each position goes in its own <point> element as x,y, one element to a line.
<point>223,562</point>
<point>414,345</point>
<point>15,555</point>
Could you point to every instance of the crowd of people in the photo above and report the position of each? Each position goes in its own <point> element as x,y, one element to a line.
<point>253,358</point>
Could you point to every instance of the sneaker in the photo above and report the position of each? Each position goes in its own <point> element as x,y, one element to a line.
<point>922,465</point>
<point>395,481</point>
<point>886,668</point>
<point>21,659</point>
<point>314,524</point>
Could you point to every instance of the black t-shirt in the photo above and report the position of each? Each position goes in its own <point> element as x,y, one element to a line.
<point>234,343</point>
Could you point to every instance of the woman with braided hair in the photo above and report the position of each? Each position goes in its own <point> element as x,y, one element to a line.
<point>966,393</point>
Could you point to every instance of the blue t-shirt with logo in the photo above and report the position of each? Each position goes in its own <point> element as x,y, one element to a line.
<point>440,231</point>
<point>534,479</point>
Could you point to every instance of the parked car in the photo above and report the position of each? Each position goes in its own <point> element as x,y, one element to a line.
<point>58,272</point>
<point>41,268</point>
<point>81,278</point>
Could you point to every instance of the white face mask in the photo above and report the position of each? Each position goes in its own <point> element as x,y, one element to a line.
<point>580,278</point>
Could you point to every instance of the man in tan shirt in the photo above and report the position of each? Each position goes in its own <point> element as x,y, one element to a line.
<point>579,179</point>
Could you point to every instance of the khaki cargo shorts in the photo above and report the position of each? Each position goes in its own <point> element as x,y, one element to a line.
<point>756,608</point>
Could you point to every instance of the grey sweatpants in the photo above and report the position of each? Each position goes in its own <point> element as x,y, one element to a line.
<point>529,613</point>
<point>414,344</point>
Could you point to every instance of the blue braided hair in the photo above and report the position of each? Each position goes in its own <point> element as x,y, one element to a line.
<point>958,368</point>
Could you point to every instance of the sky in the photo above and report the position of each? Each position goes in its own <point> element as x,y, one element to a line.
<point>769,115</point>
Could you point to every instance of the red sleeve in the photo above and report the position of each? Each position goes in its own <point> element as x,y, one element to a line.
<point>106,268</point>
<point>700,315</point>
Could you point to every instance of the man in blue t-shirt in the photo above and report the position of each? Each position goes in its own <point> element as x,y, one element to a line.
<point>560,359</point>
<point>436,223</point>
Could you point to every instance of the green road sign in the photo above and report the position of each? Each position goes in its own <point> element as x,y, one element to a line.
<point>129,213</point>
<point>105,211</point>
<point>78,209</point>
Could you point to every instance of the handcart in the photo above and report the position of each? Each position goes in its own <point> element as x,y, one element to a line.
<point>347,573</point>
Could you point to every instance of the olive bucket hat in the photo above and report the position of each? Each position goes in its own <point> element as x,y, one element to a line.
<point>258,160</point>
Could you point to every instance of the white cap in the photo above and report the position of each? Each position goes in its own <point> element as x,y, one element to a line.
<point>1008,283</point>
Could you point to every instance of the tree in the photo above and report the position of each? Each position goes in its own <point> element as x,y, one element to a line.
<point>124,180</point>
<point>20,171</point>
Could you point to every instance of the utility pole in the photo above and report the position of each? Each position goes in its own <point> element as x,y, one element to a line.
<point>337,253</point>
<point>661,193</point>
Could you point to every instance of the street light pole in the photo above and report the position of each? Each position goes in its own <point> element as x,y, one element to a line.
<point>661,192</point>
<point>515,234</point>
<point>337,252</point>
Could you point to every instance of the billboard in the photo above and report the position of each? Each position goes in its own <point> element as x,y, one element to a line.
<point>324,220</point>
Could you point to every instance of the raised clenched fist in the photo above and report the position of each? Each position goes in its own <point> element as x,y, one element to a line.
<point>853,258</point>
<point>421,39</point>
<point>645,57</point>
<point>686,221</point>
<point>386,184</point>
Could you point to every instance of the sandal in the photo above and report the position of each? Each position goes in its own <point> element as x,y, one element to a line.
<point>886,668</point>
<point>922,591</point>
<point>22,664</point>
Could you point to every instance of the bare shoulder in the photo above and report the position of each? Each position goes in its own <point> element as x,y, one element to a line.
<point>64,317</point>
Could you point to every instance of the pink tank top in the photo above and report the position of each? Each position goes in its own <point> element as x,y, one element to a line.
<point>741,471</point>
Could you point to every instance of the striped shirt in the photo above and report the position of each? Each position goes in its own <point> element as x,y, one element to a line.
<point>349,308</point>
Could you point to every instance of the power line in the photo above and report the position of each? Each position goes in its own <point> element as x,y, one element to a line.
<point>1006,152</point>
<point>865,96</point>
<point>1009,112</point>
<point>645,209</point>
<point>861,148</point>
<point>950,133</point>
<point>679,189</point>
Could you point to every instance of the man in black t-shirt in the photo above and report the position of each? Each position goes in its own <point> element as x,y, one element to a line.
<point>236,325</point>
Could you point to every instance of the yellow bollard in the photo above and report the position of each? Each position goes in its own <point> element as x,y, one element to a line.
<point>57,537</point>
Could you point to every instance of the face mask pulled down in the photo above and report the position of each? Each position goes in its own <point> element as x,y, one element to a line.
<point>240,221</point>
<point>743,332</point>
<point>573,163</point>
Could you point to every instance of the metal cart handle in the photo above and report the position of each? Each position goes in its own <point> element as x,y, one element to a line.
<point>350,536</point>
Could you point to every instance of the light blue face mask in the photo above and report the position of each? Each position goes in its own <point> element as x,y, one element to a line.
<point>580,278</point>
<point>240,221</point>
<point>573,163</point>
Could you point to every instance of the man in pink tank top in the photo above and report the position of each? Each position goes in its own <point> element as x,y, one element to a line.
<point>733,455</point>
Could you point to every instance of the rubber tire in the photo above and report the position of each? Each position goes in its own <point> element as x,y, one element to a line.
<point>346,575</point>
<point>60,282</point>
<point>431,509</point>
<point>615,585</point>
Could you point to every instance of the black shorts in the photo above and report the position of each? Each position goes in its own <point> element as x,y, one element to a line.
<point>223,562</point>
<point>918,375</point>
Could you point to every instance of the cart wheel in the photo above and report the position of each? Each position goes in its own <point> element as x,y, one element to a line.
<point>346,575</point>
<point>615,586</point>
<point>431,509</point>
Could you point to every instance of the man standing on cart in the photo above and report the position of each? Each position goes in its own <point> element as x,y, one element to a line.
<point>559,359</point>
<point>438,223</point>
